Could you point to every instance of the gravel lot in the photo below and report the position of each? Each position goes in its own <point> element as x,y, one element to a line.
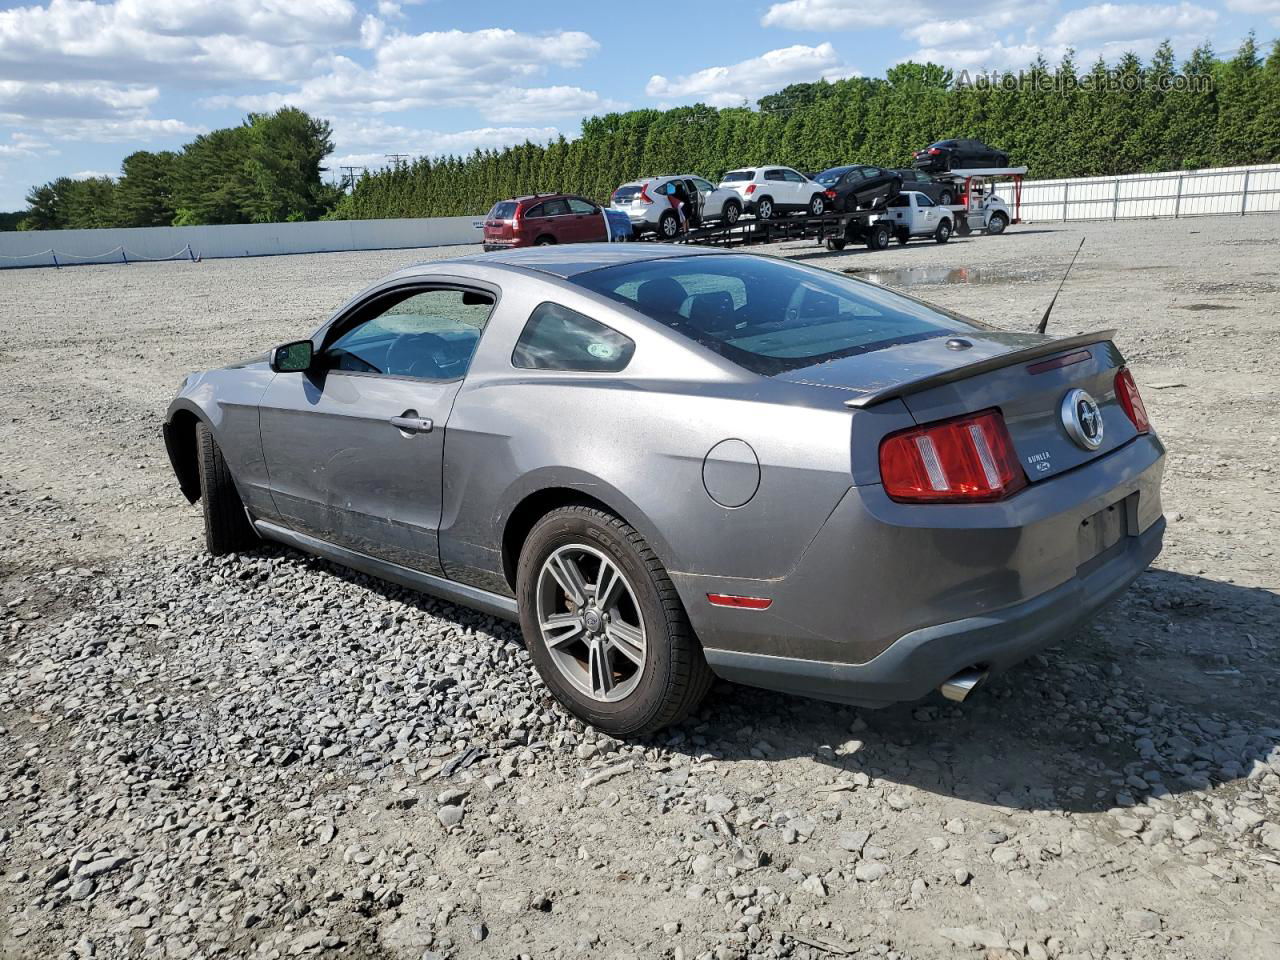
<point>269,756</point>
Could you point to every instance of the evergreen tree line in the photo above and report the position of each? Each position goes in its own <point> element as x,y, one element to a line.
<point>266,170</point>
<point>1061,122</point>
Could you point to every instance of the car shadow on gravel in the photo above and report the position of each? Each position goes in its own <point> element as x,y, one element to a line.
<point>1172,689</point>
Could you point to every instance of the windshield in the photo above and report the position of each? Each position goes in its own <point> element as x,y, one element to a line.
<point>828,178</point>
<point>769,315</point>
<point>736,176</point>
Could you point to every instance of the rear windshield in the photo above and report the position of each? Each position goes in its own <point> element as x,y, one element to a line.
<point>627,193</point>
<point>828,178</point>
<point>768,315</point>
<point>503,210</point>
<point>737,175</point>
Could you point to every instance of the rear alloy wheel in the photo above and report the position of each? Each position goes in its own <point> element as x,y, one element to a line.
<point>943,233</point>
<point>732,211</point>
<point>817,205</point>
<point>764,209</point>
<point>997,223</point>
<point>945,198</point>
<point>835,243</point>
<point>605,626</point>
<point>878,236</point>
<point>668,225</point>
<point>544,241</point>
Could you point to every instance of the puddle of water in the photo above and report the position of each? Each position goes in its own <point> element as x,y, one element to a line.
<point>922,276</point>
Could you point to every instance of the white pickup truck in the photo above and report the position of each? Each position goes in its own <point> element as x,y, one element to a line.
<point>912,214</point>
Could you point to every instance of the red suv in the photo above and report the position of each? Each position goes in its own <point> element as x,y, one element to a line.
<point>542,219</point>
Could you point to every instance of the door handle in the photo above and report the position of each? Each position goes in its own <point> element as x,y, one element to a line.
<point>413,424</point>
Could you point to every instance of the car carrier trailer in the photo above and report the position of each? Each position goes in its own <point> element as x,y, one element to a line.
<point>836,230</point>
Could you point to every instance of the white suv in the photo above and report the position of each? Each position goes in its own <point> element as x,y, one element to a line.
<point>648,204</point>
<point>770,191</point>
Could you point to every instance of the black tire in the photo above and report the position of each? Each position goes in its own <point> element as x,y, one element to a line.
<point>945,198</point>
<point>544,241</point>
<point>902,237</point>
<point>675,676</point>
<point>226,525</point>
<point>835,244</point>
<point>668,225</point>
<point>943,233</point>
<point>997,223</point>
<point>878,236</point>
<point>817,205</point>
<point>732,211</point>
<point>765,209</point>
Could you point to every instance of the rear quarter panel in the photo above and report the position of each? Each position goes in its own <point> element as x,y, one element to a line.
<point>637,441</point>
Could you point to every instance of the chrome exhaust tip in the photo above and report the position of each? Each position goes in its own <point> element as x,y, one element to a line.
<point>962,684</point>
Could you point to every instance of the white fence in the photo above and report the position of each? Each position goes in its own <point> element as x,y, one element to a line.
<point>1178,193</point>
<point>46,248</point>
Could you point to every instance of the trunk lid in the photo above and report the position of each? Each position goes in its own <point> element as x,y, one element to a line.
<point>1026,376</point>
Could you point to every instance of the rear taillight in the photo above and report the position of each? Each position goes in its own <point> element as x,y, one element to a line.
<point>934,151</point>
<point>644,195</point>
<point>831,194</point>
<point>966,460</point>
<point>751,188</point>
<point>1131,400</point>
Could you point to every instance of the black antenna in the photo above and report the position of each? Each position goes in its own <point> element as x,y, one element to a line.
<point>1044,321</point>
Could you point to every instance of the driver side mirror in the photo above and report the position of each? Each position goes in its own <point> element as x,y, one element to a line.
<point>293,357</point>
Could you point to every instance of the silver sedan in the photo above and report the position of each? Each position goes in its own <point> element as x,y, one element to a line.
<point>670,465</point>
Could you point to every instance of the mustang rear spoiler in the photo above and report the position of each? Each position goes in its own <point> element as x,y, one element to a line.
<point>908,387</point>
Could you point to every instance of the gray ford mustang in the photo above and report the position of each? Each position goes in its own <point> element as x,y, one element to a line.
<point>673,464</point>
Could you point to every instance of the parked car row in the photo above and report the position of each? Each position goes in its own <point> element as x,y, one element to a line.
<point>668,205</point>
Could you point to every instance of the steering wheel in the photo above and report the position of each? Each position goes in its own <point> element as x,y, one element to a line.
<point>418,355</point>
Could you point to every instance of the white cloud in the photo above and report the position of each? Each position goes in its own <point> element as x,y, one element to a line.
<point>480,70</point>
<point>1116,23</point>
<point>231,40</point>
<point>748,80</point>
<point>828,14</point>
<point>93,175</point>
<point>20,100</point>
<point>367,142</point>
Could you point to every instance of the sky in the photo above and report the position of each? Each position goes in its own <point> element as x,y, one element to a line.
<point>84,83</point>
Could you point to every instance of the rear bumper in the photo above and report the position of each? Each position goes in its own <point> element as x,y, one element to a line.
<point>923,659</point>
<point>890,599</point>
<point>491,245</point>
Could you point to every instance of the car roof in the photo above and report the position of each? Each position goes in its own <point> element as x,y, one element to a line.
<point>571,259</point>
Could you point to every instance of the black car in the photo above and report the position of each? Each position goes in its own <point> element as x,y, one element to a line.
<point>857,185</point>
<point>959,155</point>
<point>942,192</point>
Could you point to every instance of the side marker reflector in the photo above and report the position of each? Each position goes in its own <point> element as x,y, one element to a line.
<point>743,603</point>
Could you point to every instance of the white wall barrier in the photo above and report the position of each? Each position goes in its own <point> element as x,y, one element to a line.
<point>1178,193</point>
<point>37,248</point>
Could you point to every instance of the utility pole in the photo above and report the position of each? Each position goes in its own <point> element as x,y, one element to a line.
<point>396,158</point>
<point>349,176</point>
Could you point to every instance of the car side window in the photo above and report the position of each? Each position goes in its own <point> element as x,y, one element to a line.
<point>427,334</point>
<point>581,206</point>
<point>901,200</point>
<point>774,175</point>
<point>792,177</point>
<point>702,185</point>
<point>555,208</point>
<point>534,212</point>
<point>557,338</point>
<point>923,201</point>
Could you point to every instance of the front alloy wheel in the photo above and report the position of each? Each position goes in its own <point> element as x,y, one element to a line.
<point>590,622</point>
